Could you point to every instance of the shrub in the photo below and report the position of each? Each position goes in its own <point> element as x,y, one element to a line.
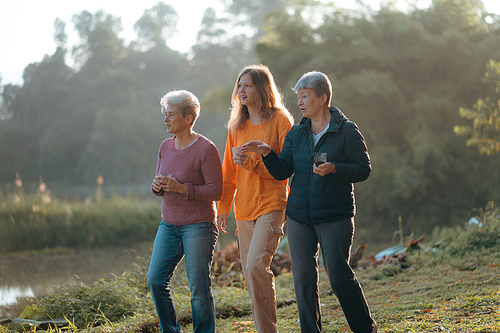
<point>137,276</point>
<point>114,221</point>
<point>482,234</point>
<point>90,306</point>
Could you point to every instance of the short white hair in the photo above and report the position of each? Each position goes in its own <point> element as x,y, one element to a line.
<point>185,100</point>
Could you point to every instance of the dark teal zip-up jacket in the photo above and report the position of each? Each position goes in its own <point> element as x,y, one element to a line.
<point>313,198</point>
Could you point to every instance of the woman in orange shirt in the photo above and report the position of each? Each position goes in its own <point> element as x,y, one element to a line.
<point>259,200</point>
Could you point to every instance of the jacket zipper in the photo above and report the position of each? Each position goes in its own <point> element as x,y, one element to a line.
<point>311,138</point>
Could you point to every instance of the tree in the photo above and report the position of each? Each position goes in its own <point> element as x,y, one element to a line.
<point>60,36</point>
<point>156,25</point>
<point>252,13</point>
<point>216,56</point>
<point>400,76</point>
<point>36,108</point>
<point>4,113</point>
<point>124,144</point>
<point>485,130</point>
<point>100,46</point>
<point>226,42</point>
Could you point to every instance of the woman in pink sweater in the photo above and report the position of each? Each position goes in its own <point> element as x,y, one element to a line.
<point>189,178</point>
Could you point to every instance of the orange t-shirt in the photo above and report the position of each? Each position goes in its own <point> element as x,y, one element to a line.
<point>254,190</point>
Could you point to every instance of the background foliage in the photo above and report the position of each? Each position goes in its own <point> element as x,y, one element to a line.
<point>37,220</point>
<point>401,76</point>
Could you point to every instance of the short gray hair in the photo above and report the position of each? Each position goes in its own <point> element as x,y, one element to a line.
<point>185,100</point>
<point>318,82</point>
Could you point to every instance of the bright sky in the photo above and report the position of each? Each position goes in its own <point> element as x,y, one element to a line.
<point>27,26</point>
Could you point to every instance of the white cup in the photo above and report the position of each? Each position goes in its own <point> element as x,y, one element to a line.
<point>236,150</point>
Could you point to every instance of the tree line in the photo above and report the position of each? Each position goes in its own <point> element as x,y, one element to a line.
<point>408,79</point>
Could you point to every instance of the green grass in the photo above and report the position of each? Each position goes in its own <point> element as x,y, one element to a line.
<point>452,284</point>
<point>436,293</point>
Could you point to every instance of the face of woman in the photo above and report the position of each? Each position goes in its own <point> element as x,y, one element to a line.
<point>310,105</point>
<point>246,90</point>
<point>174,121</point>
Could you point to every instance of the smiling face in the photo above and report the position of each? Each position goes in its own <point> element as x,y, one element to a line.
<point>247,91</point>
<point>310,105</point>
<point>174,121</point>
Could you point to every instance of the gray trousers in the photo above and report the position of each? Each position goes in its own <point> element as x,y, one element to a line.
<point>335,239</point>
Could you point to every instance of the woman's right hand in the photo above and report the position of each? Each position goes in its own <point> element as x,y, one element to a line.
<point>256,146</point>
<point>221,221</point>
<point>157,184</point>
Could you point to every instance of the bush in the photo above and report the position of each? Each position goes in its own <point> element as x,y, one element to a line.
<point>480,234</point>
<point>90,306</point>
<point>116,221</point>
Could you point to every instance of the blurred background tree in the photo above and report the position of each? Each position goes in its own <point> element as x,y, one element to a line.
<point>485,130</point>
<point>402,76</point>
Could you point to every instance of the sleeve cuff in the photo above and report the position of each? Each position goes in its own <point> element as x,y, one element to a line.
<point>339,171</point>
<point>159,194</point>
<point>272,156</point>
<point>189,191</point>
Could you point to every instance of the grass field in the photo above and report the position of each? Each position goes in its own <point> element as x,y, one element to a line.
<point>450,284</point>
<point>455,295</point>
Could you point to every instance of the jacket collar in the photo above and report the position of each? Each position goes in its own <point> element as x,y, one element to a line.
<point>336,121</point>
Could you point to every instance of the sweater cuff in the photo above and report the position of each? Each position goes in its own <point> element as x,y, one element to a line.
<point>159,194</point>
<point>270,159</point>
<point>189,191</point>
<point>246,164</point>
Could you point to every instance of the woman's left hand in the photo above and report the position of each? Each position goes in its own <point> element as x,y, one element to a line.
<point>324,169</point>
<point>172,185</point>
<point>239,158</point>
<point>157,184</point>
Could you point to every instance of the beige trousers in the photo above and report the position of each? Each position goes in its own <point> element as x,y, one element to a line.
<point>258,241</point>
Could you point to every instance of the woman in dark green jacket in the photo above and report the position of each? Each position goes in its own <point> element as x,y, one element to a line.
<point>321,205</point>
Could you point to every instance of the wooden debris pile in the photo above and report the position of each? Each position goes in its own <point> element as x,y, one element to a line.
<point>395,254</point>
<point>228,260</point>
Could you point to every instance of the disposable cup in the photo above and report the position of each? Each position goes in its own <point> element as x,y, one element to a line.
<point>236,150</point>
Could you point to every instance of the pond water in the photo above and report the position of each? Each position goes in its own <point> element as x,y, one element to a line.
<point>36,275</point>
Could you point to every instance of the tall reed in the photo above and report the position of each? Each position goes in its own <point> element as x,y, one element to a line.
<point>37,220</point>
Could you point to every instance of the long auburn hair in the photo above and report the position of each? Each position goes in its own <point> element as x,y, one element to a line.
<point>268,97</point>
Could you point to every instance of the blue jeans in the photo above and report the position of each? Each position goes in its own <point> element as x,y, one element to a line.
<point>335,239</point>
<point>195,242</point>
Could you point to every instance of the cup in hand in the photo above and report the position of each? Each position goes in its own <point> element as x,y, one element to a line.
<point>162,178</point>
<point>236,150</point>
<point>319,158</point>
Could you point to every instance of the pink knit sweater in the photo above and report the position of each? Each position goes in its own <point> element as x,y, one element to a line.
<point>199,168</point>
